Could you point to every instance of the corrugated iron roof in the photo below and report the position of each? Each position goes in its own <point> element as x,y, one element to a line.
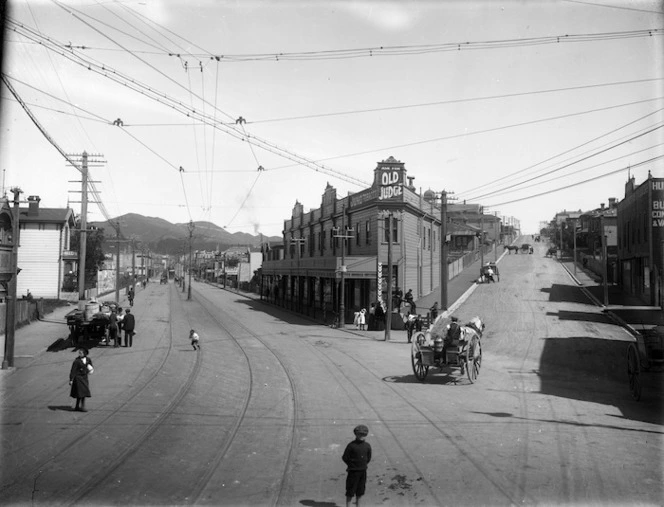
<point>46,215</point>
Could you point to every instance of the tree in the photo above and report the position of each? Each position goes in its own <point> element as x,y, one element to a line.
<point>94,254</point>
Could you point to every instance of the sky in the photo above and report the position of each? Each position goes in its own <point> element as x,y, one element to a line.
<point>232,111</point>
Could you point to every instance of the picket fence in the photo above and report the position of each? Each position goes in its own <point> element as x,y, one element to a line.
<point>26,311</point>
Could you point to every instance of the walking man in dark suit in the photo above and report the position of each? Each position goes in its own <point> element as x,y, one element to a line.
<point>128,324</point>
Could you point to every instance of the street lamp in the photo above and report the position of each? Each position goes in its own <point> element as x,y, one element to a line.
<point>191,235</point>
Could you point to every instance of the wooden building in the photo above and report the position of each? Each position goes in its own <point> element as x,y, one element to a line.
<point>44,254</point>
<point>307,276</point>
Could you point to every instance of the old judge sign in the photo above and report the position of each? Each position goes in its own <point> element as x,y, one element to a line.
<point>390,183</point>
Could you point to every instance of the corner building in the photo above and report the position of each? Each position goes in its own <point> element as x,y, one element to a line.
<point>308,278</point>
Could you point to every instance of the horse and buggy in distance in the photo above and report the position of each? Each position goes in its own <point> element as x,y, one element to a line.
<point>448,346</point>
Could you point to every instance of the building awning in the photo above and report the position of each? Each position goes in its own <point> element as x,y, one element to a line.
<point>323,267</point>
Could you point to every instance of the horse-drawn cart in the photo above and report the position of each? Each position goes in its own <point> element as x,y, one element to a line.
<point>646,355</point>
<point>448,347</point>
<point>91,323</point>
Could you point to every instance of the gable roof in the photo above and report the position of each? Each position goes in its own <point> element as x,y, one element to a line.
<point>47,215</point>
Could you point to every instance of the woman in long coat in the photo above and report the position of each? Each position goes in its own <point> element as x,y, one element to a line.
<point>78,379</point>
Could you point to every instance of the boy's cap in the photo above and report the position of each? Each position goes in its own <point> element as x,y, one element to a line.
<point>361,430</point>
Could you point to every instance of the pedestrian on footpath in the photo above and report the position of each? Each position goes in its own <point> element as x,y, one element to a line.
<point>128,323</point>
<point>78,379</point>
<point>113,329</point>
<point>357,457</point>
<point>362,319</point>
<point>434,311</point>
<point>130,296</point>
<point>193,336</point>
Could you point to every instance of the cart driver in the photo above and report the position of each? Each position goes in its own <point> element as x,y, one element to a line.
<point>452,336</point>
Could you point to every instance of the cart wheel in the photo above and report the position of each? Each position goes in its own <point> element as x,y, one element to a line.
<point>419,369</point>
<point>473,360</point>
<point>633,371</point>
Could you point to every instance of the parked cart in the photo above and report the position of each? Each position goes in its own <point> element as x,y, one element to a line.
<point>646,355</point>
<point>90,323</point>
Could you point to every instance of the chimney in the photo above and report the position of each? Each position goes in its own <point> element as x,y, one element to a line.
<point>612,202</point>
<point>601,206</point>
<point>33,205</point>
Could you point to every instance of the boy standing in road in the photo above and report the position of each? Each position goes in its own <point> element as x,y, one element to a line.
<point>193,336</point>
<point>357,456</point>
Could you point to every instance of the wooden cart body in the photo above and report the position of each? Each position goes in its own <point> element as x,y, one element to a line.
<point>464,354</point>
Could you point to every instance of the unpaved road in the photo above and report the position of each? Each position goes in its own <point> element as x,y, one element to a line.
<point>261,415</point>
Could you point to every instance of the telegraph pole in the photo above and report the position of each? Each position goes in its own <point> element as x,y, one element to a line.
<point>10,317</point>
<point>444,276</point>
<point>191,235</point>
<point>297,242</point>
<point>83,236</point>
<point>343,233</point>
<point>388,316</point>
<point>117,263</point>
<point>82,247</point>
<point>481,236</point>
<point>605,262</point>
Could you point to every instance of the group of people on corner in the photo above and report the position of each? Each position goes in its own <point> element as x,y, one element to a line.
<point>119,321</point>
<point>374,319</point>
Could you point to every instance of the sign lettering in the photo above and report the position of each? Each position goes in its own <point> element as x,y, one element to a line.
<point>390,184</point>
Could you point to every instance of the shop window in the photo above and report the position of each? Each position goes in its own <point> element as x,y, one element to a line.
<point>395,230</point>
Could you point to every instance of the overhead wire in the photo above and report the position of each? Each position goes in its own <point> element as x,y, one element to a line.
<point>95,192</point>
<point>571,185</point>
<point>450,101</point>
<point>596,138</point>
<point>50,139</point>
<point>178,106</point>
<point>489,194</point>
<point>576,173</point>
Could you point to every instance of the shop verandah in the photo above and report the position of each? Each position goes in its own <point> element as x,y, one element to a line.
<point>313,286</point>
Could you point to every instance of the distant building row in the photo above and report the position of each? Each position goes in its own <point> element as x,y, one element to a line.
<point>634,233</point>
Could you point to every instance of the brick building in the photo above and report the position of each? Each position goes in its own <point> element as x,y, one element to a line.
<point>307,277</point>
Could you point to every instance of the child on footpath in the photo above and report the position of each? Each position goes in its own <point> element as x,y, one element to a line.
<point>357,456</point>
<point>193,336</point>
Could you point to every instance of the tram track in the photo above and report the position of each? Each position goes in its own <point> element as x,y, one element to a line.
<point>199,491</point>
<point>93,482</point>
<point>87,433</point>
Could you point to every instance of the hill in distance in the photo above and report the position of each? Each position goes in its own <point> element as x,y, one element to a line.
<point>164,237</point>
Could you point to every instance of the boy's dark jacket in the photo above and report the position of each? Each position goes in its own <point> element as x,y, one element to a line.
<point>357,455</point>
